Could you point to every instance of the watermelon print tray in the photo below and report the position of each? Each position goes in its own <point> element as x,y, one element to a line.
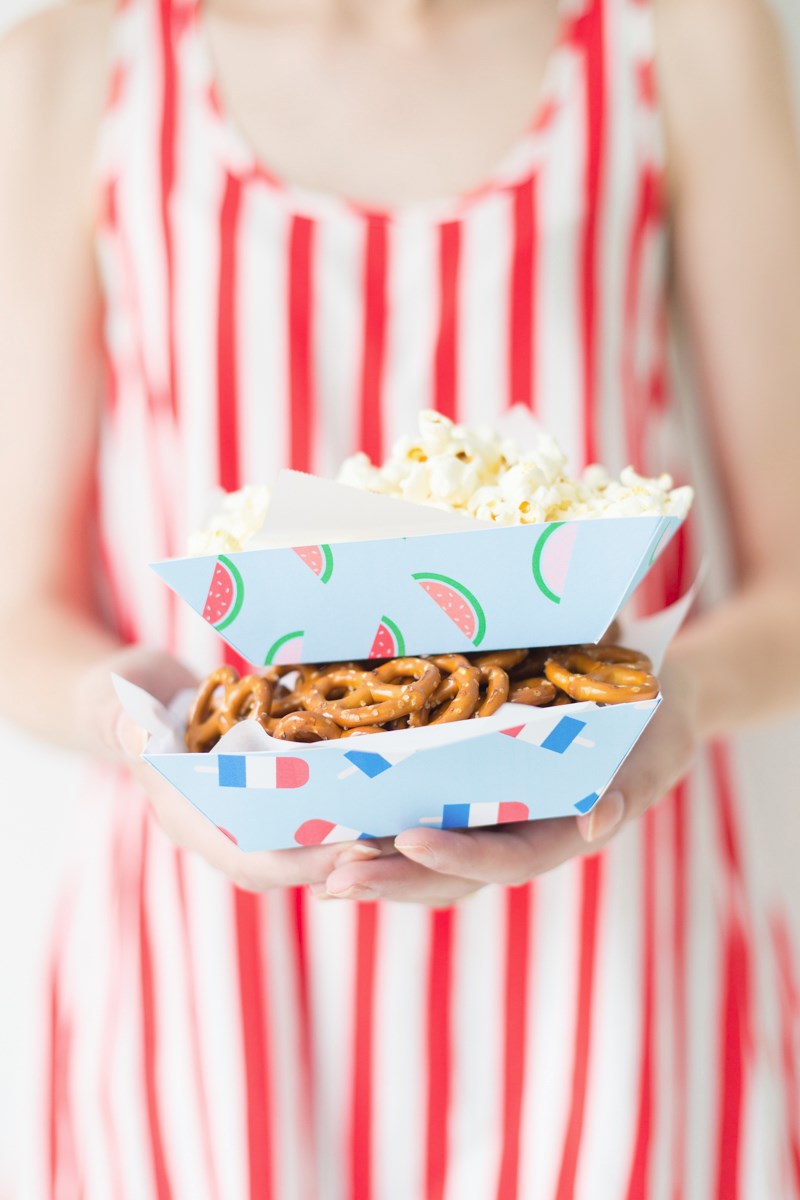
<point>533,585</point>
<point>521,764</point>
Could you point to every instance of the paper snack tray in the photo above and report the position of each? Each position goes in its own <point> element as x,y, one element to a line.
<point>521,764</point>
<point>434,582</point>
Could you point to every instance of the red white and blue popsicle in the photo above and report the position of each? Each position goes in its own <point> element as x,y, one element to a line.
<point>272,771</point>
<point>467,816</point>
<point>320,833</point>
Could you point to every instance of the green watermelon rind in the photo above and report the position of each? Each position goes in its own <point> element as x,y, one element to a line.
<point>480,633</point>
<point>281,641</point>
<point>538,550</point>
<point>235,574</point>
<point>327,554</point>
<point>399,640</point>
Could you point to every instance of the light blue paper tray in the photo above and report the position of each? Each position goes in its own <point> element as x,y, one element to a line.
<point>535,585</point>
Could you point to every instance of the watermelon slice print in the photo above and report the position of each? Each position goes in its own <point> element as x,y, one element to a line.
<point>318,558</point>
<point>551,558</point>
<point>286,649</point>
<point>457,602</point>
<point>225,596</point>
<point>389,641</point>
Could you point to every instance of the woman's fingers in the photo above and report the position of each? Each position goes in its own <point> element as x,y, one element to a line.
<point>393,877</point>
<point>509,855</point>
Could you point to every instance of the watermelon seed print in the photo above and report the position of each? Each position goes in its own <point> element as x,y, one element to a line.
<point>457,602</point>
<point>551,558</point>
<point>318,558</point>
<point>286,649</point>
<point>388,641</point>
<point>225,595</point>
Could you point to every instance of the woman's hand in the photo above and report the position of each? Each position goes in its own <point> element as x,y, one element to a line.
<point>123,740</point>
<point>438,868</point>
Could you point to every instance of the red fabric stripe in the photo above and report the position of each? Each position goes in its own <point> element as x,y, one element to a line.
<point>375,257</point>
<point>194,1029</point>
<point>523,296</point>
<point>363,1029</point>
<point>255,1021</point>
<point>300,331</point>
<point>720,764</point>
<point>636,391</point>
<point>298,921</point>
<point>590,35</point>
<point>150,1032</point>
<point>591,881</point>
<point>167,146</point>
<point>227,357</point>
<point>638,1182</point>
<point>54,1082</point>
<point>247,907</point>
<point>445,383</point>
<point>439,1037</point>
<point>679,928</point>
<point>518,921</point>
<point>735,1003</point>
<point>735,1030</point>
<point>790,1012</point>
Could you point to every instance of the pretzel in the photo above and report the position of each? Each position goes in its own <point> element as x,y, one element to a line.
<point>506,659</point>
<point>584,678</point>
<point>495,687</point>
<point>456,697</point>
<point>213,714</point>
<point>326,702</point>
<point>371,697</point>
<point>305,727</point>
<point>536,692</point>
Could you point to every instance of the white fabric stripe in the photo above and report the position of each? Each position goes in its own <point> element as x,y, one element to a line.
<point>552,1006</point>
<point>617,218</point>
<point>331,937</point>
<point>478,1017</point>
<point>85,991</point>
<point>399,1049</point>
<point>140,196</point>
<point>128,1104</point>
<point>612,1096</point>
<point>338,333</point>
<point>663,1169</point>
<point>263,341</point>
<point>411,335</point>
<point>705,903</point>
<point>484,308</point>
<point>212,935</point>
<point>558,387</point>
<point>178,1101</point>
<point>289,1138</point>
<point>196,258</point>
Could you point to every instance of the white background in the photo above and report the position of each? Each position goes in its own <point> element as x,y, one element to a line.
<point>43,826</point>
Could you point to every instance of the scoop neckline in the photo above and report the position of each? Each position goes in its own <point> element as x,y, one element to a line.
<point>246,164</point>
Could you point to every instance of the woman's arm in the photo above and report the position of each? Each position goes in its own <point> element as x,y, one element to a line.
<point>735,176</point>
<point>52,82</point>
<point>56,656</point>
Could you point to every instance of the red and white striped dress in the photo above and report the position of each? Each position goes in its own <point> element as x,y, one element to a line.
<point>625,1027</point>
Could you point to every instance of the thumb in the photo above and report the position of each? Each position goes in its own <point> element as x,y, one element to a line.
<point>130,738</point>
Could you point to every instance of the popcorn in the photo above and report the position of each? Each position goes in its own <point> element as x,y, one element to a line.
<point>240,516</point>
<point>474,472</point>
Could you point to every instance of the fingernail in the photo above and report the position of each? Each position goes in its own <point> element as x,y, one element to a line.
<point>358,852</point>
<point>604,817</point>
<point>356,892</point>
<point>418,852</point>
<point>131,737</point>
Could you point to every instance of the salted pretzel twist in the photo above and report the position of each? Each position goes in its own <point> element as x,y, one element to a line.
<point>584,677</point>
